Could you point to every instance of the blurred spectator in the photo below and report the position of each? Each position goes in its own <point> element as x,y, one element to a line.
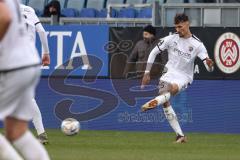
<point>140,53</point>
<point>53,8</point>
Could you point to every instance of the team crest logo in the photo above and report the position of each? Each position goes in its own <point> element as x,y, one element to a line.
<point>226,53</point>
<point>190,49</point>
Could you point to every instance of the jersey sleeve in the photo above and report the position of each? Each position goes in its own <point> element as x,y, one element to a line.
<point>35,19</point>
<point>31,15</point>
<point>43,37</point>
<point>202,52</point>
<point>164,43</point>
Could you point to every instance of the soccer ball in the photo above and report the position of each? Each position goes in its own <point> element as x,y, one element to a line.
<point>70,126</point>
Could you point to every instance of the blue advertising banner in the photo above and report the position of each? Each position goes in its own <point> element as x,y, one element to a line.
<point>107,104</point>
<point>75,45</point>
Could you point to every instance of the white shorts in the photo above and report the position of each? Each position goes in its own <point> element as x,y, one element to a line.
<point>175,77</point>
<point>17,88</point>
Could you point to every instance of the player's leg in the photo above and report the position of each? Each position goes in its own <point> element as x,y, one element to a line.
<point>17,132</point>
<point>8,101</point>
<point>38,124</point>
<point>173,121</point>
<point>165,91</point>
<point>7,152</point>
<point>16,123</point>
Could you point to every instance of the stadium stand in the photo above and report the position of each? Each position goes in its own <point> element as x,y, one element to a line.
<point>115,2</point>
<point>103,13</point>
<point>127,13</point>
<point>62,3</point>
<point>97,4</point>
<point>77,4</point>
<point>160,13</point>
<point>134,1</point>
<point>145,13</point>
<point>70,12</point>
<point>175,1</point>
<point>37,4</point>
<point>88,13</point>
<point>152,1</point>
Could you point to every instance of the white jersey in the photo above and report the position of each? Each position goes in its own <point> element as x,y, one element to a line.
<point>31,21</point>
<point>33,24</point>
<point>182,53</point>
<point>15,49</point>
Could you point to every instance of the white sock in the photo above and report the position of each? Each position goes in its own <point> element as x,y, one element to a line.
<point>7,152</point>
<point>30,148</point>
<point>163,98</point>
<point>172,119</point>
<point>37,118</point>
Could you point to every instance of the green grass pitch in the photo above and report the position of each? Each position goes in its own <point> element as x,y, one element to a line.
<point>120,145</point>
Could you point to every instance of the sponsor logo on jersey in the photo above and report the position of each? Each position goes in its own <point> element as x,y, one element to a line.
<point>226,52</point>
<point>182,54</point>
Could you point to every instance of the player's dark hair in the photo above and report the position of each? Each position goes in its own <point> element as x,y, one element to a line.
<point>180,17</point>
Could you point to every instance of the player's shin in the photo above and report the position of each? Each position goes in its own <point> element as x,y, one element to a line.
<point>37,118</point>
<point>30,148</point>
<point>7,152</point>
<point>156,101</point>
<point>172,119</point>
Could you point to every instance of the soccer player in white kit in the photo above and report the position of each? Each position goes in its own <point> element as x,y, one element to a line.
<point>33,24</point>
<point>183,48</point>
<point>19,74</point>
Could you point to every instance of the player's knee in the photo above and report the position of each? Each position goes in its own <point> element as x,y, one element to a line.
<point>164,87</point>
<point>174,89</point>
<point>14,128</point>
<point>13,135</point>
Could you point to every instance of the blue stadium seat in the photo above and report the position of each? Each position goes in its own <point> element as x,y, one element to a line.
<point>77,4</point>
<point>145,13</point>
<point>97,4</point>
<point>37,4</point>
<point>69,12</point>
<point>134,1</point>
<point>88,13</point>
<point>103,13</point>
<point>127,13</point>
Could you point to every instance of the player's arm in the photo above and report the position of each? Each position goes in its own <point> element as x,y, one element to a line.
<point>161,46</point>
<point>151,59</point>
<point>43,38</point>
<point>209,64</point>
<point>203,55</point>
<point>5,19</point>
